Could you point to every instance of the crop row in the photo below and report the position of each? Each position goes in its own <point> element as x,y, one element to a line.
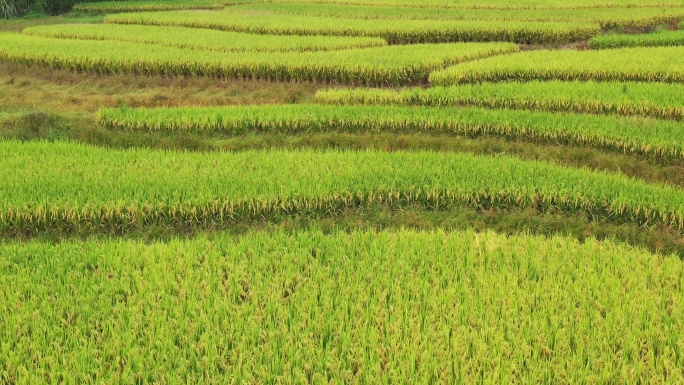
<point>206,39</point>
<point>628,135</point>
<point>502,4</point>
<point>607,18</point>
<point>394,31</point>
<point>356,307</point>
<point>658,100</point>
<point>420,7</point>
<point>395,65</point>
<point>146,6</point>
<point>70,187</point>
<point>149,6</point>
<point>652,64</point>
<point>662,39</point>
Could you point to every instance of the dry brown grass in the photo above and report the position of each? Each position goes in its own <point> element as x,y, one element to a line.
<point>62,91</point>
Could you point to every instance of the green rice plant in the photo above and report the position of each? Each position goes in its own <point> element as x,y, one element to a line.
<point>500,4</point>
<point>394,31</point>
<point>63,187</point>
<point>653,64</point>
<point>395,65</point>
<point>657,39</point>
<point>359,307</point>
<point>658,100</point>
<point>206,39</point>
<point>146,6</point>
<point>662,139</point>
<point>608,18</point>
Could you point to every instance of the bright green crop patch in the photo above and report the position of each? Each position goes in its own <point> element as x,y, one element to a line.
<point>607,18</point>
<point>628,135</point>
<point>394,31</point>
<point>147,6</point>
<point>70,187</point>
<point>658,100</point>
<point>663,39</point>
<point>202,38</point>
<point>395,65</point>
<point>657,64</point>
<point>362,307</point>
<point>503,4</point>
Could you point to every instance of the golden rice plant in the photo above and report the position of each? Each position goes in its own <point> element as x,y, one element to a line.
<point>608,18</point>
<point>653,138</point>
<point>71,187</point>
<point>658,100</point>
<point>344,307</point>
<point>643,64</point>
<point>390,65</point>
<point>657,39</point>
<point>201,39</point>
<point>146,6</point>
<point>395,31</point>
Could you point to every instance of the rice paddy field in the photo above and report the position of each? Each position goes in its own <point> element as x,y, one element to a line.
<point>343,192</point>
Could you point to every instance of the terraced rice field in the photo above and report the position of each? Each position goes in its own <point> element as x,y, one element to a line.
<point>642,64</point>
<point>145,6</point>
<point>660,39</point>
<point>311,306</point>
<point>658,100</point>
<point>606,18</point>
<point>210,40</point>
<point>352,191</point>
<point>395,31</point>
<point>634,135</point>
<point>376,66</point>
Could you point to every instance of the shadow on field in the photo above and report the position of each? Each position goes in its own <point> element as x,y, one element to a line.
<point>659,239</point>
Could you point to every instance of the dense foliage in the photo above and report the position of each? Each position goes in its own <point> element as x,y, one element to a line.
<point>67,186</point>
<point>374,66</point>
<point>363,307</point>
<point>278,241</point>
<point>17,8</point>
